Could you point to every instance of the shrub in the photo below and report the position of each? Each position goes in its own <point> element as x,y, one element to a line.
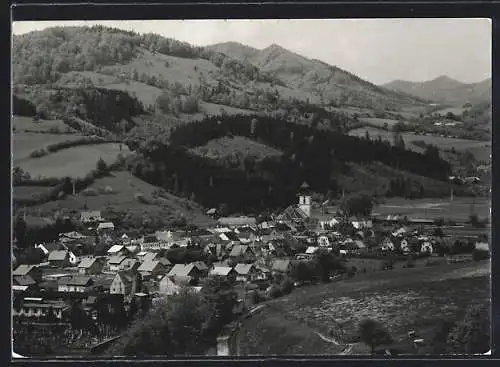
<point>387,265</point>
<point>38,153</point>
<point>352,271</point>
<point>478,255</point>
<point>286,286</point>
<point>431,262</point>
<point>274,291</point>
<point>141,198</point>
<point>89,192</point>
<point>108,190</point>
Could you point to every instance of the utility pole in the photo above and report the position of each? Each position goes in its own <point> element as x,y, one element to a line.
<point>451,194</point>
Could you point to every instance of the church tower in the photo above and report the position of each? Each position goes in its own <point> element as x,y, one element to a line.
<point>305,199</point>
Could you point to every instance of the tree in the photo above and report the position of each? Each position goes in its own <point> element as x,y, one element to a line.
<point>373,334</point>
<point>325,263</point>
<point>20,231</point>
<point>357,205</point>
<point>472,334</point>
<point>101,166</point>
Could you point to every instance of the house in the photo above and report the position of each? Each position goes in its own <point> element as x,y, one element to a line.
<point>90,265</point>
<point>170,285</point>
<point>151,242</point>
<point>242,251</point>
<point>32,271</point>
<point>151,269</point>
<point>106,226</point>
<point>129,264</point>
<point>323,241</point>
<point>281,266</point>
<point>90,216</point>
<point>38,307</point>
<point>149,256</point>
<point>185,270</point>
<point>404,246</point>
<point>230,238</point>
<point>47,248</point>
<point>246,272</point>
<point>115,262</point>
<point>311,250</point>
<point>223,271</point>
<point>361,224</point>
<point>387,245</point>
<point>59,258</point>
<point>426,246</point>
<point>237,221</point>
<point>118,250</point>
<point>77,283</point>
<point>482,246</point>
<point>201,266</point>
<point>126,283</point>
<point>24,283</point>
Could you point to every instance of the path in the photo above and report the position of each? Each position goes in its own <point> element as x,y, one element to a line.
<point>345,351</point>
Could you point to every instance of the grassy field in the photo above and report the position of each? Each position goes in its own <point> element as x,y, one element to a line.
<point>226,147</point>
<point>480,149</point>
<point>379,122</point>
<point>26,192</point>
<point>402,299</point>
<point>22,123</point>
<point>25,143</point>
<point>72,162</point>
<point>459,209</point>
<point>124,188</point>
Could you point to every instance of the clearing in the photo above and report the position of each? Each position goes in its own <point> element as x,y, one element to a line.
<point>72,162</point>
<point>23,124</point>
<point>124,187</point>
<point>402,299</point>
<point>480,149</point>
<point>459,209</point>
<point>379,122</point>
<point>25,143</point>
<point>228,147</point>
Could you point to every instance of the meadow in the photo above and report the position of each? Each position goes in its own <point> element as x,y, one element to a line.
<point>402,299</point>
<point>480,149</point>
<point>459,209</point>
<point>25,143</point>
<point>23,124</point>
<point>379,122</point>
<point>118,191</point>
<point>72,162</point>
<point>226,147</point>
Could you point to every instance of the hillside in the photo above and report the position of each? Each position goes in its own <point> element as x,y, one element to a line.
<point>445,90</point>
<point>327,83</point>
<point>149,66</point>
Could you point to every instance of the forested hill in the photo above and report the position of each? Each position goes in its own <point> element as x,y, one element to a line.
<point>149,65</point>
<point>308,155</point>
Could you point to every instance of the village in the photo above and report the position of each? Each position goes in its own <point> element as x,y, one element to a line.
<point>74,283</point>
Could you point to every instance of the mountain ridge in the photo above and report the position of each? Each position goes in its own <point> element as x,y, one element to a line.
<point>444,89</point>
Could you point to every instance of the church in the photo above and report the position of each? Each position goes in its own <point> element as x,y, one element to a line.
<point>302,210</point>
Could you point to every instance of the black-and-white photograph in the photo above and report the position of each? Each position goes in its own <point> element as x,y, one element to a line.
<point>251,188</point>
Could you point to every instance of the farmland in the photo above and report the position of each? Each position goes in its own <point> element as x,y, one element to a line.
<point>72,162</point>
<point>226,146</point>
<point>379,122</point>
<point>402,299</point>
<point>25,143</point>
<point>120,197</point>
<point>459,209</point>
<point>480,149</point>
<point>22,124</point>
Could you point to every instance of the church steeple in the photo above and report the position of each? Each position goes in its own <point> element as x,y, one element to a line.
<point>305,199</point>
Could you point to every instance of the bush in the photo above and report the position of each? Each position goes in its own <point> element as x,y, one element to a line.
<point>38,153</point>
<point>478,255</point>
<point>387,265</point>
<point>89,192</point>
<point>352,271</point>
<point>274,291</point>
<point>141,198</point>
<point>286,286</point>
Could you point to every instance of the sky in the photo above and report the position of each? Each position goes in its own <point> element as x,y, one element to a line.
<point>378,50</point>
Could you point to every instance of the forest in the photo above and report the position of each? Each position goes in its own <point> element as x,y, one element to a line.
<point>308,155</point>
